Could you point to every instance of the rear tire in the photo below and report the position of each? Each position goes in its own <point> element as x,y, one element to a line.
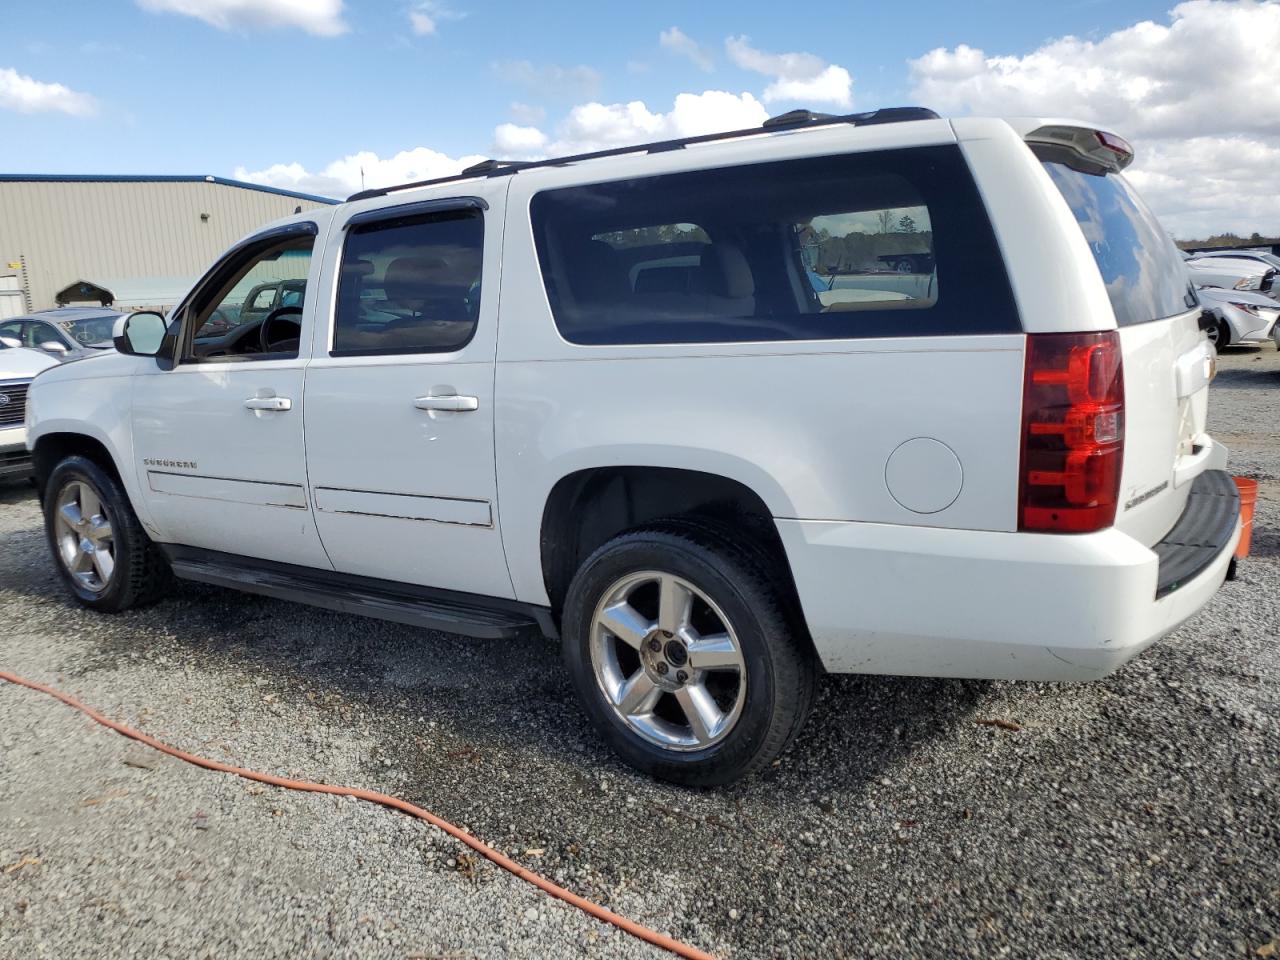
<point>730,680</point>
<point>100,549</point>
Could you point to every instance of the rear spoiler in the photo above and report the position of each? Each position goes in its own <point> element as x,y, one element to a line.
<point>1100,146</point>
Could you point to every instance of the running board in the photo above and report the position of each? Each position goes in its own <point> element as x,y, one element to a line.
<point>470,615</point>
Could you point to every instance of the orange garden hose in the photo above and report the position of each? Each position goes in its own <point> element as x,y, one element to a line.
<point>506,863</point>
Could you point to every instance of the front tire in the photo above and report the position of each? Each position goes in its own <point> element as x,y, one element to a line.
<point>105,558</point>
<point>1219,334</point>
<point>685,656</point>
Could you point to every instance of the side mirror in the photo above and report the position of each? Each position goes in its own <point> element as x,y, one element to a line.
<point>53,346</point>
<point>139,334</point>
<point>10,342</point>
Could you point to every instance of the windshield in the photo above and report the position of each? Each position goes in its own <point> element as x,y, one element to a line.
<point>1143,270</point>
<point>91,332</point>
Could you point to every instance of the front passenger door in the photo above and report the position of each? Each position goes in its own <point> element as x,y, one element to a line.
<point>218,437</point>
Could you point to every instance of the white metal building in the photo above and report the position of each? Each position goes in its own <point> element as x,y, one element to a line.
<point>139,242</point>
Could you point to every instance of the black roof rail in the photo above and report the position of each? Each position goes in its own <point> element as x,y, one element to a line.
<point>793,120</point>
<point>492,167</point>
<point>796,118</point>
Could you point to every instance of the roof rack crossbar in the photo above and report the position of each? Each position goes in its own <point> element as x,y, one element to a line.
<point>796,119</point>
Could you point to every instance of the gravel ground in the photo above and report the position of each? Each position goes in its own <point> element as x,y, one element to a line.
<point>1133,817</point>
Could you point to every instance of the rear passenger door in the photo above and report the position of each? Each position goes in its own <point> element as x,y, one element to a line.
<point>399,417</point>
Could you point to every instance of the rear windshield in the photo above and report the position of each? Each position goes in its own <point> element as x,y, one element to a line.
<point>1140,265</point>
<point>880,244</point>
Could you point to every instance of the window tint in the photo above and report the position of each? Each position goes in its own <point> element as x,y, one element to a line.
<point>1140,265</point>
<point>229,306</point>
<point>410,285</point>
<point>892,243</point>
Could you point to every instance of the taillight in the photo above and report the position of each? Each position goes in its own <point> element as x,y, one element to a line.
<point>1117,145</point>
<point>1072,432</point>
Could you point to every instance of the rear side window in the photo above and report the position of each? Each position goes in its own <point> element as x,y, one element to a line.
<point>1138,261</point>
<point>884,244</point>
<point>409,285</point>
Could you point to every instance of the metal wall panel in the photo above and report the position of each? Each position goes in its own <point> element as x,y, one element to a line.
<point>69,231</point>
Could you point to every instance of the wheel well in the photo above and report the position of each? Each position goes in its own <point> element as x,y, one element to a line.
<point>588,508</point>
<point>52,449</point>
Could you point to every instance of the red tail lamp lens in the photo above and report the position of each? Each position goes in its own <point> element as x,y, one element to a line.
<point>1117,145</point>
<point>1072,432</point>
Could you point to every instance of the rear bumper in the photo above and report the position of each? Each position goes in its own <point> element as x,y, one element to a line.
<point>923,601</point>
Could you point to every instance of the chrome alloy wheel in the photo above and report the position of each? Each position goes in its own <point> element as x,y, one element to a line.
<point>83,530</point>
<point>668,661</point>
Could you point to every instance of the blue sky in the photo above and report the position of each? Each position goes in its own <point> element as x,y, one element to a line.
<point>218,90</point>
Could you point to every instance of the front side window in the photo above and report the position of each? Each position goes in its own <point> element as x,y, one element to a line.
<point>409,284</point>
<point>232,318</point>
<point>892,243</point>
<point>42,334</point>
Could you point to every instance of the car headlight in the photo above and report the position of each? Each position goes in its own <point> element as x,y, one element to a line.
<point>1248,308</point>
<point>1249,283</point>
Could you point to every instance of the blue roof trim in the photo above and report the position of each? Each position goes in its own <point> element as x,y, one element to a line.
<point>158,178</point>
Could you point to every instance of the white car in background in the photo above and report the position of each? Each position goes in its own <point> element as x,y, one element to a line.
<point>1258,256</point>
<point>18,366</point>
<point>1238,316</point>
<point>1232,273</point>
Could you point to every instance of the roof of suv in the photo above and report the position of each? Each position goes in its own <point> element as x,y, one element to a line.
<point>795,119</point>
<point>803,123</point>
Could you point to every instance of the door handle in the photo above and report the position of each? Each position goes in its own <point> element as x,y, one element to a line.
<point>452,404</point>
<point>279,404</point>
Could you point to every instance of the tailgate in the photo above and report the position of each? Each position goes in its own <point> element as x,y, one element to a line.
<point>1167,367</point>
<point>1167,360</point>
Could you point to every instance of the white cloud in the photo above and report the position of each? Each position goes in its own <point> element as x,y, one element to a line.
<point>26,95</point>
<point>587,127</point>
<point>426,16</point>
<point>320,17</point>
<point>1196,95</point>
<point>511,140</point>
<point>341,178</point>
<point>796,76</point>
<point>1208,71</point>
<point>1206,185</point>
<point>600,126</point>
<point>421,23</point>
<point>681,44</point>
<point>551,79</point>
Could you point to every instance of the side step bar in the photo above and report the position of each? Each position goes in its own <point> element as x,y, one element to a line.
<point>467,614</point>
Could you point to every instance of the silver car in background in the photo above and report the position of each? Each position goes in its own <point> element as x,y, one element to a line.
<point>64,333</point>
<point>1236,317</point>
<point>1233,273</point>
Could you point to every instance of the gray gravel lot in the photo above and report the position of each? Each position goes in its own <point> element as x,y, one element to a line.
<point>1134,817</point>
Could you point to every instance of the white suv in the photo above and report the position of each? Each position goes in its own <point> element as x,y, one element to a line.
<point>679,405</point>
